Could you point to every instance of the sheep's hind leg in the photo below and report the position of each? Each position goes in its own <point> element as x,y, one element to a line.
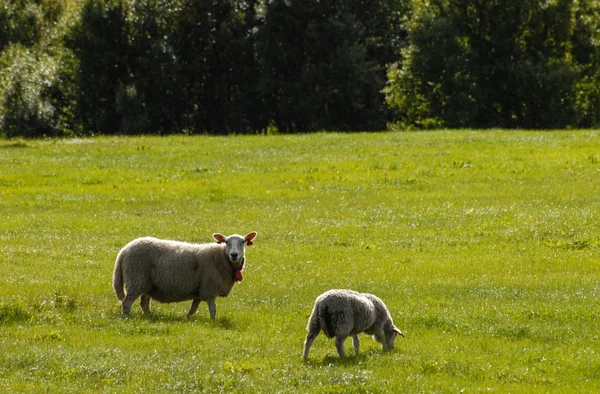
<point>356,343</point>
<point>194,307</point>
<point>145,303</point>
<point>212,308</point>
<point>339,344</point>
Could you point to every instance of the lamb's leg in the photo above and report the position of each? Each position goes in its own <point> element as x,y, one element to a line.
<point>194,307</point>
<point>339,344</point>
<point>145,303</point>
<point>310,338</point>
<point>356,343</point>
<point>212,308</point>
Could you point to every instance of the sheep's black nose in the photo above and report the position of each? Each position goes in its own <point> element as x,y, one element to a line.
<point>234,256</point>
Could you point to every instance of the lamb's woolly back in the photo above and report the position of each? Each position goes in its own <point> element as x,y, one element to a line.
<point>382,314</point>
<point>343,312</point>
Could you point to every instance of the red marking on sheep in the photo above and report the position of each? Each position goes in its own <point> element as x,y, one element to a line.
<point>237,271</point>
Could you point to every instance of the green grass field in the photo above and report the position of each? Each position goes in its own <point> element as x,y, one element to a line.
<point>485,246</point>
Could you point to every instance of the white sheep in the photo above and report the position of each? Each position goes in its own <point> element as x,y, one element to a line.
<point>171,271</point>
<point>344,313</point>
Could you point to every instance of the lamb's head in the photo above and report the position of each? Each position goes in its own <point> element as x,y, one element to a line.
<point>235,245</point>
<point>390,333</point>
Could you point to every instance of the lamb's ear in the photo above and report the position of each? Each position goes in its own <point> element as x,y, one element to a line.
<point>398,332</point>
<point>249,238</point>
<point>220,238</point>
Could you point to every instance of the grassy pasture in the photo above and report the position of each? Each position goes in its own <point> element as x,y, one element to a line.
<point>485,245</point>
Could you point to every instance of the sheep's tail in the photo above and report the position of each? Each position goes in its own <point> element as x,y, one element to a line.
<point>314,323</point>
<point>117,280</point>
<point>325,320</point>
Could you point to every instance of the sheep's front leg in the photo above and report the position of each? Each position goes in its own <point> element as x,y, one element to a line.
<point>194,307</point>
<point>356,343</point>
<point>339,344</point>
<point>212,308</point>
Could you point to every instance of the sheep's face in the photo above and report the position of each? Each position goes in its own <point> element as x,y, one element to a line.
<point>234,245</point>
<point>390,338</point>
<point>390,332</point>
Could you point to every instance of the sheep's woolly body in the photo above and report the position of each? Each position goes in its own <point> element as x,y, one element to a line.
<point>171,271</point>
<point>344,313</point>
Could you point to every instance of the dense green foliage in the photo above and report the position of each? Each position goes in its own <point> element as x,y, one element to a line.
<point>530,63</point>
<point>165,66</point>
<point>322,62</point>
<point>37,73</point>
<point>233,66</point>
<point>72,67</point>
<point>485,246</point>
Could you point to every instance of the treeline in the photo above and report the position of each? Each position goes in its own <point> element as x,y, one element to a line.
<point>71,67</point>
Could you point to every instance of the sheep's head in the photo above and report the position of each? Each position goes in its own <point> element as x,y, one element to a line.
<point>390,333</point>
<point>234,245</point>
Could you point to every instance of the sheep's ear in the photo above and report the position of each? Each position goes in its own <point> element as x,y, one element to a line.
<point>398,332</point>
<point>220,238</point>
<point>250,237</point>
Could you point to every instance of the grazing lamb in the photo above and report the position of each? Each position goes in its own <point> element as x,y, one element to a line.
<point>171,271</point>
<point>344,313</point>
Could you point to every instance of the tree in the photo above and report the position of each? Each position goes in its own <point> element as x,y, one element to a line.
<point>215,50</point>
<point>36,85</point>
<point>21,21</point>
<point>162,66</point>
<point>586,54</point>
<point>101,42</point>
<point>487,64</point>
<point>323,62</point>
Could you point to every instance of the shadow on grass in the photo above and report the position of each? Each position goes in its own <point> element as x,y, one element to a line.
<point>15,144</point>
<point>224,323</point>
<point>13,313</point>
<point>349,360</point>
<point>337,361</point>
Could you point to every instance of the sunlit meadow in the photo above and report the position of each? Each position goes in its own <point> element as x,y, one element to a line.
<point>485,246</point>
